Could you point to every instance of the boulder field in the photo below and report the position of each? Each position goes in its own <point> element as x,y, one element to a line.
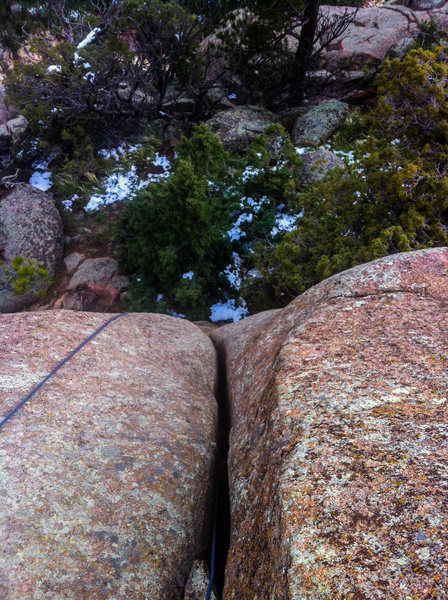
<point>337,450</point>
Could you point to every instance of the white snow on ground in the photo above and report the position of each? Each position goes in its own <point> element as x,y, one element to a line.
<point>114,153</point>
<point>119,186</point>
<point>160,161</point>
<point>227,311</point>
<point>69,203</point>
<point>302,150</point>
<point>41,178</point>
<point>346,156</point>
<point>188,275</point>
<point>54,69</point>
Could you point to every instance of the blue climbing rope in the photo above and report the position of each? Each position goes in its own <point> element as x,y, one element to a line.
<point>62,363</point>
<point>215,523</point>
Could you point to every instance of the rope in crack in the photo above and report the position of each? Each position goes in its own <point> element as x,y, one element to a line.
<point>215,526</point>
<point>61,364</point>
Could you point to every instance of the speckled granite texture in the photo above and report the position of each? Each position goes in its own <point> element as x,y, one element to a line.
<point>105,474</point>
<point>30,226</point>
<point>338,450</point>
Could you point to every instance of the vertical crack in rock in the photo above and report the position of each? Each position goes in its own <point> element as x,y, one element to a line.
<point>222,483</point>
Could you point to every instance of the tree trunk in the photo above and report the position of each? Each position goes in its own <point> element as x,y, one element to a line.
<point>304,50</point>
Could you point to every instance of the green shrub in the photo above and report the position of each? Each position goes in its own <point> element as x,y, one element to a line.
<point>204,220</point>
<point>21,275</point>
<point>392,199</point>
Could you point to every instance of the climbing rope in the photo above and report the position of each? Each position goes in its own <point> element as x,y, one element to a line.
<point>62,363</point>
<point>215,523</point>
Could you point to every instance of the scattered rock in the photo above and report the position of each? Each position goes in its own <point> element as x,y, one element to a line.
<point>95,285</point>
<point>237,127</point>
<point>217,99</point>
<point>319,123</point>
<point>72,261</point>
<point>401,48</point>
<point>108,470</point>
<point>138,98</point>
<point>5,113</point>
<point>317,164</point>
<point>11,133</point>
<point>339,412</point>
<point>177,101</point>
<point>320,77</point>
<point>197,584</point>
<point>30,226</point>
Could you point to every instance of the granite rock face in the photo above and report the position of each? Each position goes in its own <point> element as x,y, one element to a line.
<point>30,226</point>
<point>106,473</point>
<point>338,447</point>
<point>368,39</point>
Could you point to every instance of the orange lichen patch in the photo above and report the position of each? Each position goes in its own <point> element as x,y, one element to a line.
<point>106,472</point>
<point>338,448</point>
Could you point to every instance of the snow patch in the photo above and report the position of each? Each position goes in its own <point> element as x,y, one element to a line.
<point>41,178</point>
<point>228,311</point>
<point>90,37</point>
<point>54,69</point>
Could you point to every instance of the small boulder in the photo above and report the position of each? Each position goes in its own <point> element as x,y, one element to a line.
<point>31,227</point>
<point>237,127</point>
<point>317,164</point>
<point>319,123</point>
<point>96,284</point>
<point>72,261</point>
<point>11,133</point>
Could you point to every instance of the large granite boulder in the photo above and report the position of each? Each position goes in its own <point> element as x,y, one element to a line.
<point>31,227</point>
<point>106,473</point>
<point>368,39</point>
<point>338,453</point>
<point>317,125</point>
<point>237,127</point>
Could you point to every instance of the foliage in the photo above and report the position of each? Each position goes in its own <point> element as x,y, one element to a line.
<point>178,238</point>
<point>392,199</point>
<point>259,39</point>
<point>20,277</point>
<point>431,34</point>
<point>352,130</point>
